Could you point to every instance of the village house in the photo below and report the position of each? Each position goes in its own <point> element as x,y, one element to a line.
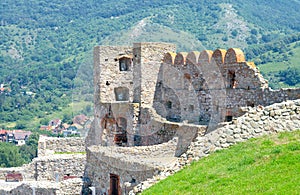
<point>18,137</point>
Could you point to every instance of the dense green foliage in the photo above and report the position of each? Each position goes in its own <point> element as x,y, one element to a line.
<point>13,156</point>
<point>46,47</point>
<point>290,76</point>
<point>268,165</point>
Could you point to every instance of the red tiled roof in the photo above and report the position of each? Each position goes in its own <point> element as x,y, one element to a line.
<point>55,122</point>
<point>80,119</point>
<point>3,131</point>
<point>21,135</point>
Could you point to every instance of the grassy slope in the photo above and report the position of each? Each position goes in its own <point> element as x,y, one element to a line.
<point>268,165</point>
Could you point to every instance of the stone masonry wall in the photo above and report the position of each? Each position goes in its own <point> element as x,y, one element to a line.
<point>131,164</point>
<point>70,186</point>
<point>107,74</point>
<point>256,122</point>
<point>46,172</point>
<point>148,60</point>
<point>206,87</point>
<point>158,130</point>
<point>55,167</point>
<point>50,145</point>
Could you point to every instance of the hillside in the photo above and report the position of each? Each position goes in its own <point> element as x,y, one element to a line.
<point>46,47</point>
<point>268,165</point>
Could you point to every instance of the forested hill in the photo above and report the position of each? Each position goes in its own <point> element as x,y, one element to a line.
<point>46,46</point>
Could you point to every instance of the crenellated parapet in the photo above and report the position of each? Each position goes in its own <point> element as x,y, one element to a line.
<point>220,56</point>
<point>230,66</point>
<point>205,57</point>
<point>169,58</point>
<point>234,55</point>
<point>192,57</point>
<point>180,58</point>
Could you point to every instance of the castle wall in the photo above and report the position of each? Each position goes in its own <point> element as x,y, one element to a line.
<point>27,188</point>
<point>107,122</point>
<point>211,87</point>
<point>183,93</point>
<point>158,130</point>
<point>131,164</point>
<point>256,122</point>
<point>237,98</point>
<point>55,167</point>
<point>50,145</point>
<point>276,96</point>
<point>70,186</point>
<point>148,57</point>
<point>108,73</point>
<point>42,168</point>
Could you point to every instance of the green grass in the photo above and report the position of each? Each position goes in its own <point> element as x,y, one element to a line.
<point>268,165</point>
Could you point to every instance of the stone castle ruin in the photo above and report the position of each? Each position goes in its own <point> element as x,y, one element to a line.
<point>156,111</point>
<point>151,104</point>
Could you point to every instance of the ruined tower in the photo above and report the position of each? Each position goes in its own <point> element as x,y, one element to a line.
<point>125,80</point>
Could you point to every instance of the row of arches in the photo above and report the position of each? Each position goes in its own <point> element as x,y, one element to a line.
<point>220,56</point>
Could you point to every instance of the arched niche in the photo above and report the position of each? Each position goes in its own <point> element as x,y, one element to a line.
<point>120,137</point>
<point>125,63</point>
<point>232,82</point>
<point>108,123</point>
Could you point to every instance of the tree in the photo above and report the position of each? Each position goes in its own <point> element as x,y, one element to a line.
<point>67,118</point>
<point>290,76</point>
<point>29,150</point>
<point>10,156</point>
<point>254,31</point>
<point>234,33</point>
<point>20,125</point>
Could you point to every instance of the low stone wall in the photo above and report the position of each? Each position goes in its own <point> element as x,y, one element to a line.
<point>27,171</point>
<point>131,164</point>
<point>160,150</point>
<point>49,167</point>
<point>157,130</point>
<point>47,171</point>
<point>255,122</point>
<point>50,145</point>
<point>70,186</point>
<point>54,167</point>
